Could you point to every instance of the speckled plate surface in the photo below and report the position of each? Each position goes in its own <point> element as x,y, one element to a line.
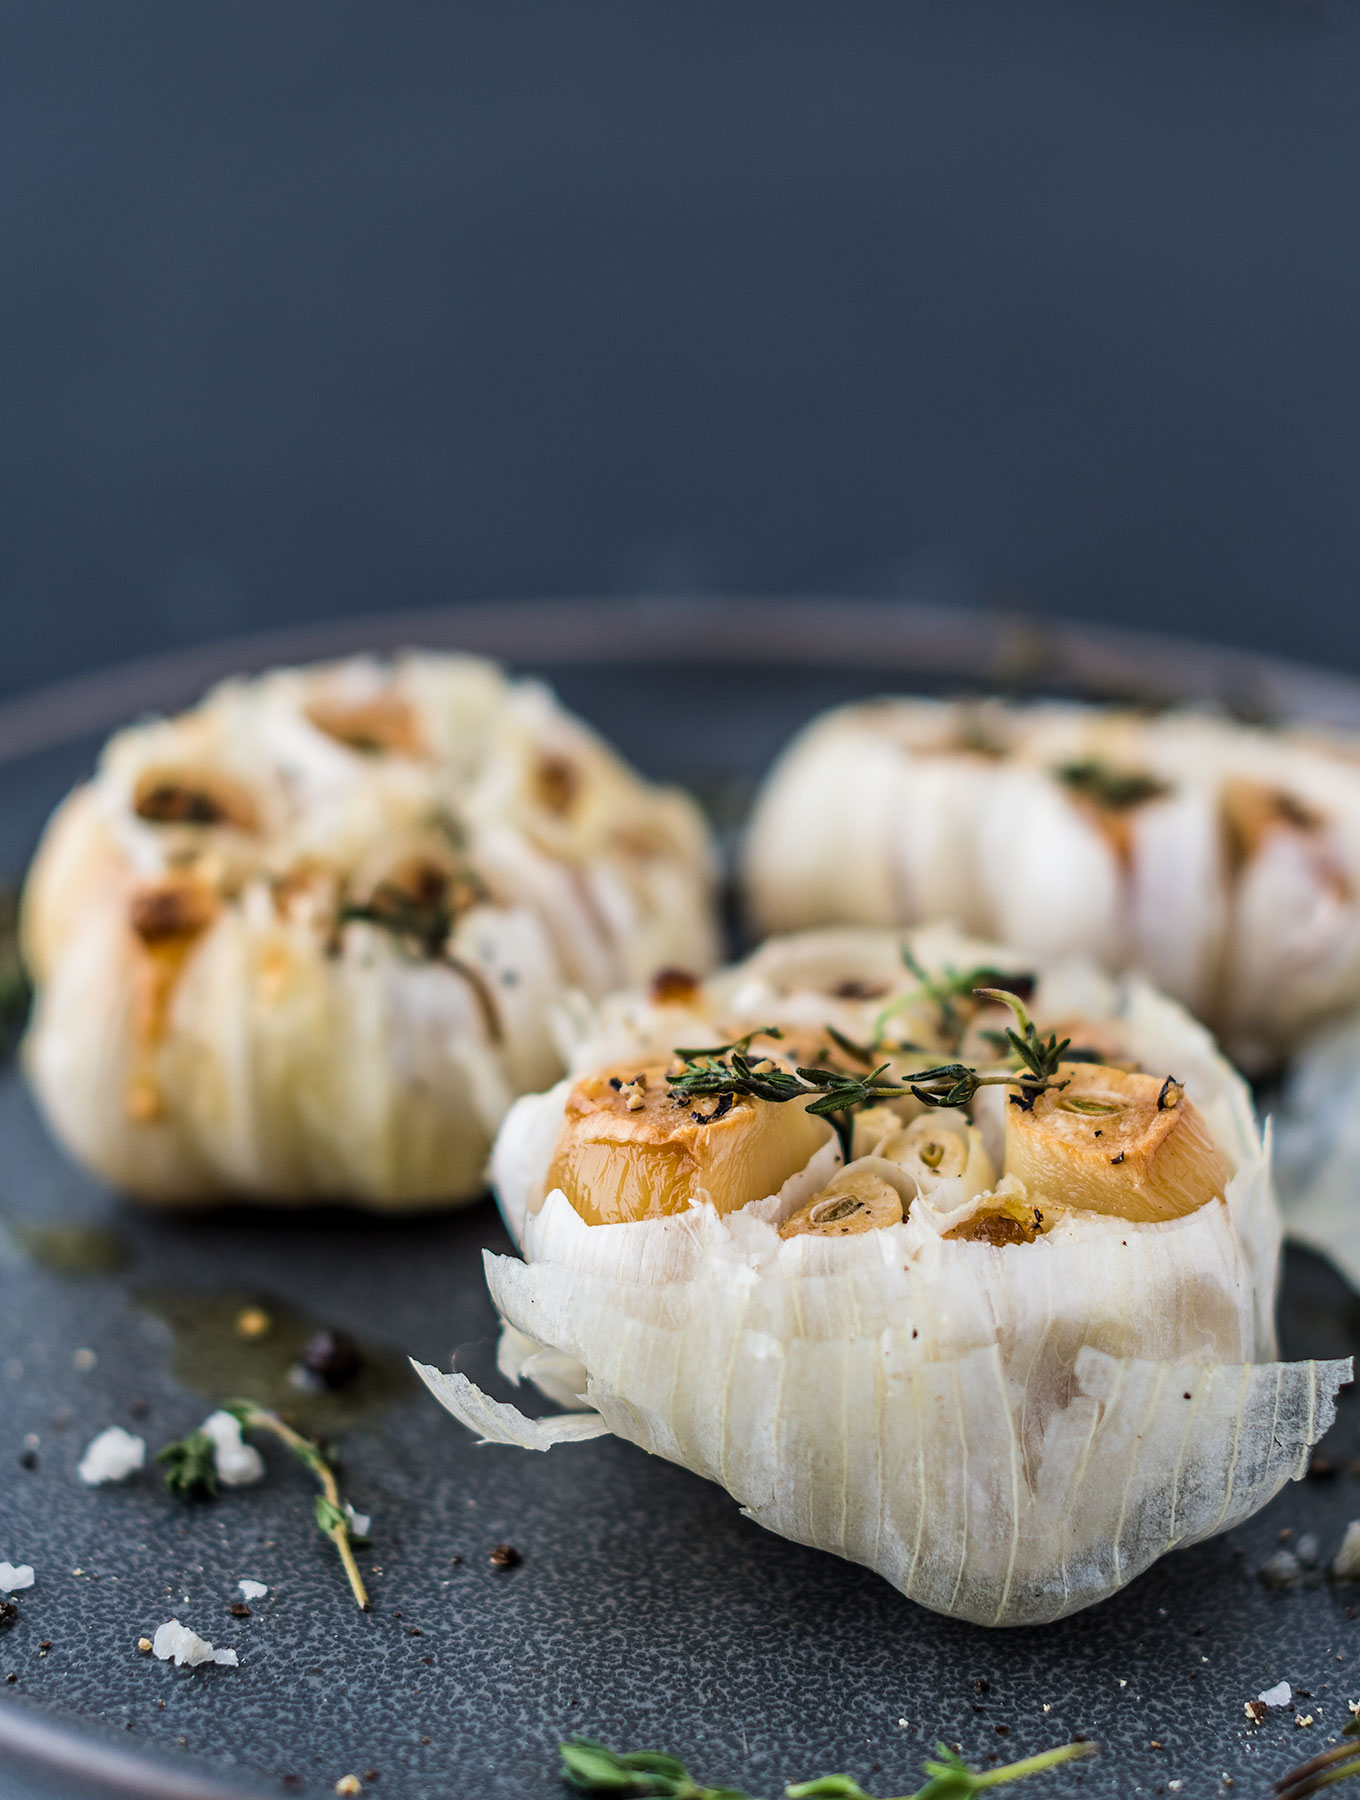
<point>645,1609</point>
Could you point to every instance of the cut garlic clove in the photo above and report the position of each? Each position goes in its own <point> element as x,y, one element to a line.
<point>1115,1142</point>
<point>857,1200</point>
<point>628,1150</point>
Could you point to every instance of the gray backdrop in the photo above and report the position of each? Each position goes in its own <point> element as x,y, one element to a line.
<point>315,308</point>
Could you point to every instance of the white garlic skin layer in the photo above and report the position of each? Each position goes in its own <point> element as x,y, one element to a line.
<point>285,1053</point>
<point>1006,1433</point>
<point>1235,887</point>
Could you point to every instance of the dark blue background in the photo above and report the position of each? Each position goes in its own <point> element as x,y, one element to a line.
<point>312,309</point>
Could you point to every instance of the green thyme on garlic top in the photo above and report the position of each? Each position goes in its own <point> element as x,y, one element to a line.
<point>947,995</point>
<point>1110,788</point>
<point>728,1072</point>
<point>592,1768</point>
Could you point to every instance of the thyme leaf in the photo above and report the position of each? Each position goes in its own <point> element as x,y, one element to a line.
<point>592,1768</point>
<point>191,1466</point>
<point>944,992</point>
<point>1111,789</point>
<point>191,1471</point>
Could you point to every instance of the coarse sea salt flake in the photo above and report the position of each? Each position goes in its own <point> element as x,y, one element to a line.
<point>252,1590</point>
<point>176,1643</point>
<point>112,1456</point>
<point>1279,1695</point>
<point>238,1464</point>
<point>12,1579</point>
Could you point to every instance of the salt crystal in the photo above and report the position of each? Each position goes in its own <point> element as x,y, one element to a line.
<point>12,1579</point>
<point>238,1464</point>
<point>175,1643</point>
<point>1280,1695</point>
<point>1347,1564</point>
<point>252,1590</point>
<point>112,1456</point>
<point>1282,1570</point>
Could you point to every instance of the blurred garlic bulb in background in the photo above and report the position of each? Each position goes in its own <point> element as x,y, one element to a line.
<point>302,942</point>
<point>1015,1350</point>
<point>1221,861</point>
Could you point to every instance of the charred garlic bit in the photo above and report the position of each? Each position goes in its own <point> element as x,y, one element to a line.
<point>1113,1142</point>
<point>634,1147</point>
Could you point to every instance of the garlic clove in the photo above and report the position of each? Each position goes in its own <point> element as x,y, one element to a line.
<point>857,1200</point>
<point>629,1150</point>
<point>1118,1142</point>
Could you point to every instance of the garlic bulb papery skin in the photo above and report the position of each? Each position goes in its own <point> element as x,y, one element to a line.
<point>304,942</point>
<point>1221,861</point>
<point>1006,1431</point>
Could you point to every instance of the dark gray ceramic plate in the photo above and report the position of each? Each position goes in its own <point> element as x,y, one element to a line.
<point>646,1610</point>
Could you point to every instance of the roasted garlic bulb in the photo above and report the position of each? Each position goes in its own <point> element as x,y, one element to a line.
<point>1003,1332</point>
<point>303,941</point>
<point>1220,861</point>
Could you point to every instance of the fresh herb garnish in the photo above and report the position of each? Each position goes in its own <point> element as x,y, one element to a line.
<point>1338,1764</point>
<point>421,917</point>
<point>1111,789</point>
<point>592,1768</point>
<point>191,1471</point>
<point>944,992</point>
<point>835,1094</point>
<point>15,991</point>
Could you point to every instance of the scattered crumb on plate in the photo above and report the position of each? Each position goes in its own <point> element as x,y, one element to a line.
<point>175,1643</point>
<point>112,1456</point>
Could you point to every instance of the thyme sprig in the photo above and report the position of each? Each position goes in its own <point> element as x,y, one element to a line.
<point>944,992</point>
<point>592,1768</point>
<point>1334,1765</point>
<point>728,1072</point>
<point>191,1471</point>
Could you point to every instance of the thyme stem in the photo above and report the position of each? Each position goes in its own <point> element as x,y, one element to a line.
<point>593,1768</point>
<point>333,1521</point>
<point>191,1470</point>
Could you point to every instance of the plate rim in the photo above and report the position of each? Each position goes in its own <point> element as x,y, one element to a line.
<point>1014,652</point>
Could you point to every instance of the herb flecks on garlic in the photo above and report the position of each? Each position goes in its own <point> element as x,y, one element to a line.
<point>1110,788</point>
<point>192,1472</point>
<point>593,1768</point>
